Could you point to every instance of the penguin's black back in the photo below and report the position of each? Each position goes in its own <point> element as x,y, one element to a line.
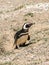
<point>16,36</point>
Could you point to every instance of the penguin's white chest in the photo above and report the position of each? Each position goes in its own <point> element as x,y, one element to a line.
<point>22,40</point>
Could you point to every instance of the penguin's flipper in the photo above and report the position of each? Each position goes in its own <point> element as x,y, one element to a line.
<point>16,36</point>
<point>28,37</point>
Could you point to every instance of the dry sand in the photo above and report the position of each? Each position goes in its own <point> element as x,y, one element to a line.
<point>13,14</point>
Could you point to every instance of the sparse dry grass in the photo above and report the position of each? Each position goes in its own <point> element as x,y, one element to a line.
<point>33,54</point>
<point>7,63</point>
<point>20,7</point>
<point>29,14</point>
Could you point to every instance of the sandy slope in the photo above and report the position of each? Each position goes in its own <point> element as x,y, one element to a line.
<point>13,14</point>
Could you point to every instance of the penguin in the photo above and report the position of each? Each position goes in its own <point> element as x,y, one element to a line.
<point>22,36</point>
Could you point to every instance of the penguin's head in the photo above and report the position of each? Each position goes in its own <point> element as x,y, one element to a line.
<point>26,26</point>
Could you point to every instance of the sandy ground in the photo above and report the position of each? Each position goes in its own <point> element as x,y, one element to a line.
<point>13,14</point>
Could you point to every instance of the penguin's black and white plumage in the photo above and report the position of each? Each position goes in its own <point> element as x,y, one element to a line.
<point>22,35</point>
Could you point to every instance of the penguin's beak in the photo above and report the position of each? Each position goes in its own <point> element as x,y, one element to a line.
<point>30,24</point>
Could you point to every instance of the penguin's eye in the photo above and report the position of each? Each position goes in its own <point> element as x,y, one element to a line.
<point>27,26</point>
